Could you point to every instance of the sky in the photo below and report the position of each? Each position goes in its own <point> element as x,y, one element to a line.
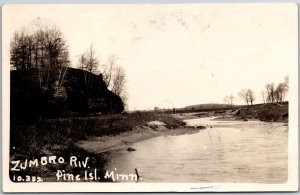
<point>176,54</point>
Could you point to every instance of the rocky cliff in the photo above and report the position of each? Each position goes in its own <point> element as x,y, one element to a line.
<point>80,94</point>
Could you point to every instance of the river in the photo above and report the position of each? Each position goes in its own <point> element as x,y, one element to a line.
<point>226,151</point>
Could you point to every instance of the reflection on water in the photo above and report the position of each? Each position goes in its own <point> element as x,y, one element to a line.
<point>235,151</point>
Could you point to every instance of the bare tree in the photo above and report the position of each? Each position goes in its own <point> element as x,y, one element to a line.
<point>88,61</point>
<point>270,88</point>
<point>264,96</point>
<point>82,65</point>
<point>81,62</point>
<point>231,98</point>
<point>54,46</point>
<point>286,86</point>
<point>278,93</point>
<point>281,91</point>
<point>108,71</point>
<point>119,80</point>
<point>251,96</point>
<point>286,82</point>
<point>91,60</point>
<point>46,50</point>
<point>114,77</point>
<point>248,96</point>
<point>244,96</point>
<point>54,57</point>
<point>62,70</point>
<point>21,47</point>
<point>226,100</point>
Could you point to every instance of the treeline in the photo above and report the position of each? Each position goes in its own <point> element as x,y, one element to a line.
<point>46,47</point>
<point>270,94</point>
<point>45,50</point>
<point>273,93</point>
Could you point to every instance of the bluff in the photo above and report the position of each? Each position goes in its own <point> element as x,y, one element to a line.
<point>82,93</point>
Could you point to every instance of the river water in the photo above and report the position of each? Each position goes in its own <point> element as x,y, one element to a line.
<point>226,151</point>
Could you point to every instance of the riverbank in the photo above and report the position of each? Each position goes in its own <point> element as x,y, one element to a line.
<point>125,140</point>
<point>269,112</point>
<point>238,151</point>
<point>84,137</point>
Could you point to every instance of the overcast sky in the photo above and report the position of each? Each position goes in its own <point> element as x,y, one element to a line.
<point>184,54</point>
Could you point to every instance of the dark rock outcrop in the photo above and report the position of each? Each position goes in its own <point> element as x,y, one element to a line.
<point>82,93</point>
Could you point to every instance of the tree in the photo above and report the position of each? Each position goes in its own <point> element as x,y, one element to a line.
<point>270,92</point>
<point>119,81</point>
<point>248,96</point>
<point>91,60</point>
<point>286,87</point>
<point>281,91</point>
<point>277,94</point>
<point>244,96</point>
<point>156,109</point>
<point>45,50</point>
<point>286,82</point>
<point>21,46</point>
<point>251,96</point>
<point>231,98</point>
<point>54,57</point>
<point>114,77</point>
<point>88,61</point>
<point>264,96</point>
<point>108,71</point>
<point>82,65</point>
<point>226,100</point>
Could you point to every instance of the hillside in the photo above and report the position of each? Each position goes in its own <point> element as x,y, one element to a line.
<point>210,106</point>
<point>82,93</point>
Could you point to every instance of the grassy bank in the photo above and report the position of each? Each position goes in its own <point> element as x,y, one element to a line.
<point>46,137</point>
<point>81,127</point>
<point>265,112</point>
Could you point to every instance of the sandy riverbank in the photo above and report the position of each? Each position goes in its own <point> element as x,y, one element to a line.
<point>126,139</point>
